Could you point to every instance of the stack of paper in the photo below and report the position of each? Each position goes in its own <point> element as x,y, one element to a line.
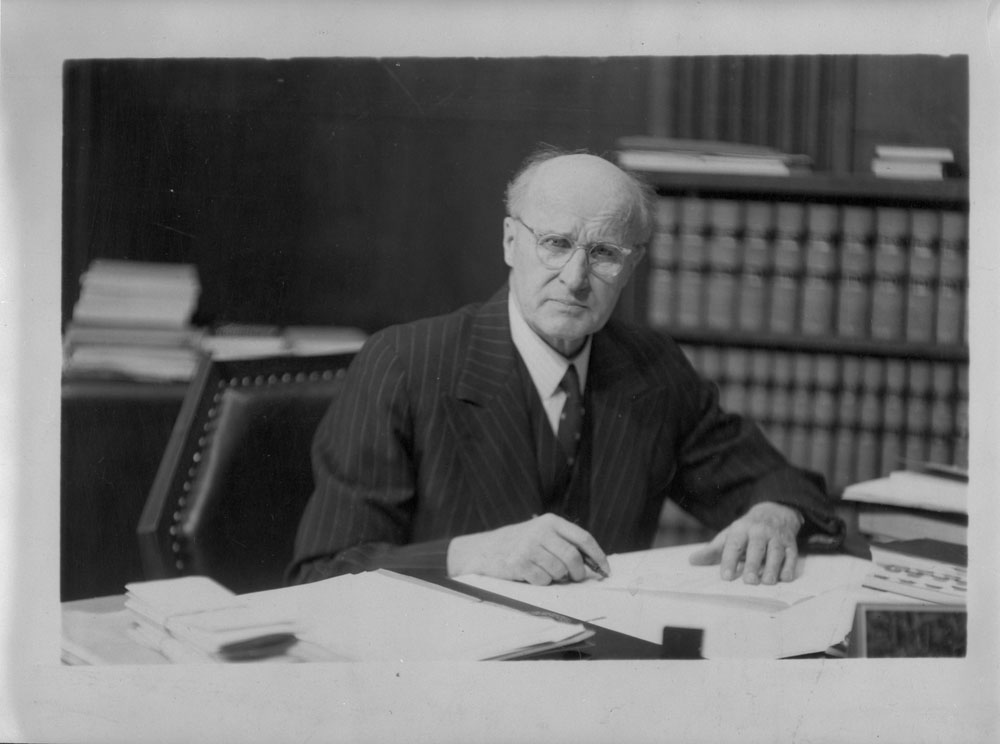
<point>909,505</point>
<point>193,618</point>
<point>913,163</point>
<point>671,155</point>
<point>385,616</point>
<point>651,589</point>
<point>132,320</point>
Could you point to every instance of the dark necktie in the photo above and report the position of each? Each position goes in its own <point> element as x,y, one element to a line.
<point>571,420</point>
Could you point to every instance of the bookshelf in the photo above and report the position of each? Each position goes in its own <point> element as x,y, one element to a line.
<point>830,308</point>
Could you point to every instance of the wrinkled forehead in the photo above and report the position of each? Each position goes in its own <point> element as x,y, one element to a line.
<point>585,189</point>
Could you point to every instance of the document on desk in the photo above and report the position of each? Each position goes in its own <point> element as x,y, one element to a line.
<point>648,590</point>
<point>385,616</point>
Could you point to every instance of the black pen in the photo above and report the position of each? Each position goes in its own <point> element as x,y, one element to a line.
<point>592,565</point>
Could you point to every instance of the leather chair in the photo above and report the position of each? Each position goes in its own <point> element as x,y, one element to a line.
<point>236,474</point>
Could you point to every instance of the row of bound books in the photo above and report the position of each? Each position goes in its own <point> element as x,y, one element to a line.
<point>848,418</point>
<point>815,269</point>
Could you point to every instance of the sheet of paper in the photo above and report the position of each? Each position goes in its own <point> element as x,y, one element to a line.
<point>381,616</point>
<point>904,488</point>
<point>648,590</point>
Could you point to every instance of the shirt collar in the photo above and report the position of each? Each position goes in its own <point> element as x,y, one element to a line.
<point>545,365</point>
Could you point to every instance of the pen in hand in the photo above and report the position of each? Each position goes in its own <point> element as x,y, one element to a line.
<point>592,565</point>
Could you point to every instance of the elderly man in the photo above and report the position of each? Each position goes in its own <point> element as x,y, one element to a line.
<point>530,436</point>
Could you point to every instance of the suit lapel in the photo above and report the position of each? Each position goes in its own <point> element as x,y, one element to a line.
<point>492,424</point>
<point>627,411</point>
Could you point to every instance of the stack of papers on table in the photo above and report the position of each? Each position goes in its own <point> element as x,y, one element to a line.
<point>193,618</point>
<point>652,589</point>
<point>912,505</point>
<point>385,616</point>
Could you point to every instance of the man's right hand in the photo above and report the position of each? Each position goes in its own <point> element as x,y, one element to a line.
<point>542,550</point>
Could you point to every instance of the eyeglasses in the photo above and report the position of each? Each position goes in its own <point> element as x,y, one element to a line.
<point>604,259</point>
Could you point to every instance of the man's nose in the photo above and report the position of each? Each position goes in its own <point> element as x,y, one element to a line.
<point>576,273</point>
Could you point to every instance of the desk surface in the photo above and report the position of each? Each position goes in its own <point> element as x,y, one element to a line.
<point>95,632</point>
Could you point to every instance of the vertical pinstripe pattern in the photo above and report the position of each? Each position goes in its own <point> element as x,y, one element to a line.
<point>431,438</point>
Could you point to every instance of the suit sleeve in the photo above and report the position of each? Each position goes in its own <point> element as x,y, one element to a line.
<point>726,465</point>
<point>359,515</point>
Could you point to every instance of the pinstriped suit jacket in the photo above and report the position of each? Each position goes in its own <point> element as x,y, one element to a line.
<point>430,438</point>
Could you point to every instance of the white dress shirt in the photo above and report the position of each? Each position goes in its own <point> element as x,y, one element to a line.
<point>545,365</point>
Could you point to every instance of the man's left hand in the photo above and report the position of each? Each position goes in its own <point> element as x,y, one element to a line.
<point>763,539</point>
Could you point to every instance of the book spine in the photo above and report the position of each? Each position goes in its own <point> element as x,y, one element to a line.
<point>758,388</point>
<point>818,287</point>
<point>800,435</point>
<point>951,293</point>
<point>890,267</point>
<point>735,374</point>
<point>867,447</point>
<point>854,285</point>
<point>824,416</point>
<point>961,456</point>
<point>722,278</point>
<point>918,411</point>
<point>787,272</point>
<point>753,282</point>
<point>921,285</point>
<point>942,414</point>
<point>893,415</point>
<point>663,265</point>
<point>781,401</point>
<point>846,436</point>
<point>691,262</point>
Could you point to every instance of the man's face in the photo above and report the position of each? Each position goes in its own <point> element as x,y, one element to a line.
<point>580,198</point>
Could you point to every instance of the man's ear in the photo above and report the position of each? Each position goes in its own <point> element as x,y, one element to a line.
<point>509,236</point>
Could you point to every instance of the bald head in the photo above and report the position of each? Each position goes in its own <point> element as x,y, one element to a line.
<point>596,215</point>
<point>586,185</point>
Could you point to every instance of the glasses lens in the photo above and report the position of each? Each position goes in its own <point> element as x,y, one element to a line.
<point>606,259</point>
<point>554,250</point>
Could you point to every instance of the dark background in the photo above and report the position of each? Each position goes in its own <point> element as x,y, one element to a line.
<point>366,192</point>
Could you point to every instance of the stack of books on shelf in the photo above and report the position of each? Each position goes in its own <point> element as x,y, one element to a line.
<point>671,155</point>
<point>912,163</point>
<point>132,320</point>
<point>885,273</point>
<point>908,505</point>
<point>846,417</point>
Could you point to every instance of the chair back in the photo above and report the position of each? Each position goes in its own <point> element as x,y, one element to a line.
<point>236,474</point>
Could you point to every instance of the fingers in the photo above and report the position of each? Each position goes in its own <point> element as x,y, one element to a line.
<point>709,554</point>
<point>551,549</point>
<point>732,551</point>
<point>791,562</point>
<point>577,540</point>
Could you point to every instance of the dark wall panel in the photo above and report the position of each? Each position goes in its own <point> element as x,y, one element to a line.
<point>343,191</point>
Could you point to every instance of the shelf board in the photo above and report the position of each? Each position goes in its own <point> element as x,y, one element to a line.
<point>82,388</point>
<point>819,344</point>
<point>862,188</point>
